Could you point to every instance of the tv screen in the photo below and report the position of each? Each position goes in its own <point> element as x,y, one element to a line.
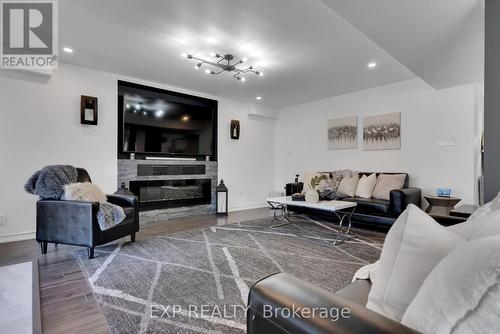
<point>164,123</point>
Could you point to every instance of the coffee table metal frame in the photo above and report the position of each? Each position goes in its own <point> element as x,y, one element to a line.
<point>344,215</point>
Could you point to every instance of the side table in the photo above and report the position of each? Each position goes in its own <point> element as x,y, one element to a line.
<point>441,205</point>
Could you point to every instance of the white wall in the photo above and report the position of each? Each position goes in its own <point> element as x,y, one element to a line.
<point>40,125</point>
<point>427,115</point>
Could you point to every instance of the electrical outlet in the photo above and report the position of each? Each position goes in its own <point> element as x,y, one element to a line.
<point>3,220</point>
<point>446,142</point>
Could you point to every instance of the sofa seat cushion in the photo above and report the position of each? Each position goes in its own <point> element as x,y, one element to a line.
<point>370,205</point>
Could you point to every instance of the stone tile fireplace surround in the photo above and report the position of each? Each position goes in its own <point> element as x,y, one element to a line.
<point>178,188</point>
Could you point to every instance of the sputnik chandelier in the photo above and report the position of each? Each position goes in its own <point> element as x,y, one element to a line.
<point>224,63</point>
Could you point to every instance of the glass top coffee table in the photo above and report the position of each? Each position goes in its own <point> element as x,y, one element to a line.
<point>342,210</point>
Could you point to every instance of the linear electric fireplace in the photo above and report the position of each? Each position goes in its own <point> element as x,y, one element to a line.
<point>164,194</point>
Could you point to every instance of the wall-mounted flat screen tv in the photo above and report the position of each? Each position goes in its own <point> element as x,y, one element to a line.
<point>157,122</point>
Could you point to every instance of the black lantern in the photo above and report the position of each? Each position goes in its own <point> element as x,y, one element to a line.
<point>221,198</point>
<point>124,190</point>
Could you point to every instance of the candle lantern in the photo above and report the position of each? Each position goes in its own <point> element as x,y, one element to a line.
<point>221,198</point>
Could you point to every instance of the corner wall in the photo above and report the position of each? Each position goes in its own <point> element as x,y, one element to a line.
<point>492,101</point>
<point>428,117</point>
<point>40,125</point>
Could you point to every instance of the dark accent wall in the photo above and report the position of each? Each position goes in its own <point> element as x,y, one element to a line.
<point>492,100</point>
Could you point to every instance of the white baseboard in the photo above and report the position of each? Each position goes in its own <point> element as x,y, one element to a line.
<point>17,237</point>
<point>249,207</point>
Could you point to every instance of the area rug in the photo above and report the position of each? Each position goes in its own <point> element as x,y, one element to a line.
<point>198,281</point>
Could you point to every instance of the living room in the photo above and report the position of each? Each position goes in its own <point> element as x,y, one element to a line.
<point>170,157</point>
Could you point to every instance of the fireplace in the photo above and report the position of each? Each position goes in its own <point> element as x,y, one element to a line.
<point>165,194</point>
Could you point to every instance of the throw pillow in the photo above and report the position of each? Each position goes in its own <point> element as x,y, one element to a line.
<point>462,293</point>
<point>412,248</point>
<point>348,185</point>
<point>366,185</point>
<point>85,191</point>
<point>318,179</point>
<point>386,183</point>
<point>338,175</point>
<point>483,222</point>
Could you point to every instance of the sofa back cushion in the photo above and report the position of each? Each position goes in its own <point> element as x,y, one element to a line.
<point>407,179</point>
<point>386,183</point>
<point>366,185</point>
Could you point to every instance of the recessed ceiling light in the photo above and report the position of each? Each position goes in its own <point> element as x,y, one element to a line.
<point>211,40</point>
<point>68,50</point>
<point>258,98</point>
<point>185,118</point>
<point>372,65</point>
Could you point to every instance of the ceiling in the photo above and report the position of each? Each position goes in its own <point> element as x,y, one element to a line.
<point>441,41</point>
<point>306,50</point>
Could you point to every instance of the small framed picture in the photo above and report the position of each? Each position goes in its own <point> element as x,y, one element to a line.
<point>88,110</point>
<point>235,129</point>
<point>443,192</point>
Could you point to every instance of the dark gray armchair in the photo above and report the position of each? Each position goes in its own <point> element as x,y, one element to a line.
<point>75,222</point>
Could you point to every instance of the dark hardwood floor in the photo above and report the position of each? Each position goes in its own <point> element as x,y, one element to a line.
<point>67,303</point>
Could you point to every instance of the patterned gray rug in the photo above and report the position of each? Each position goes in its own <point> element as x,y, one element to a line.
<point>198,281</point>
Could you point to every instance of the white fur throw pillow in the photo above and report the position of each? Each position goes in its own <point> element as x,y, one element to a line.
<point>85,191</point>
